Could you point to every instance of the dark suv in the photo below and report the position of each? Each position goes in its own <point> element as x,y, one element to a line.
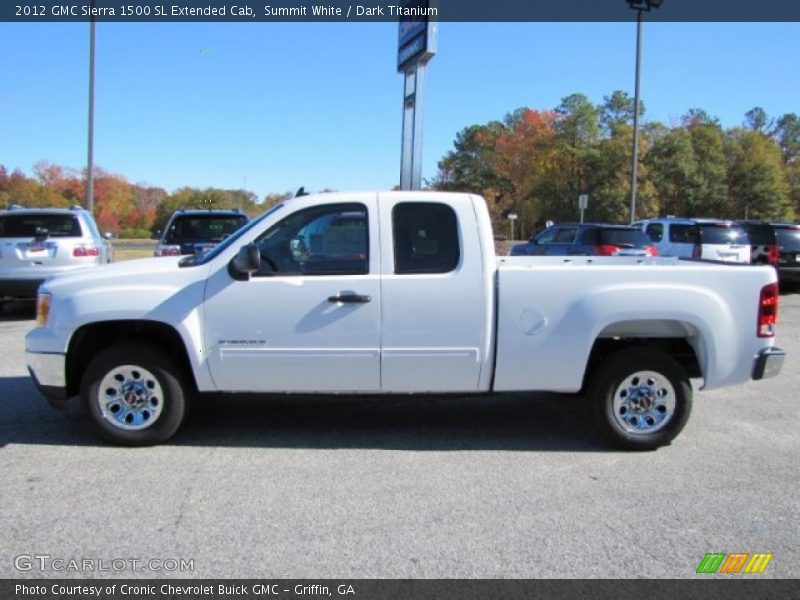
<point>587,239</point>
<point>763,242</point>
<point>788,237</point>
<point>193,231</point>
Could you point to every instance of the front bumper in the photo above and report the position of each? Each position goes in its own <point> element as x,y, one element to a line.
<point>49,374</point>
<point>768,363</point>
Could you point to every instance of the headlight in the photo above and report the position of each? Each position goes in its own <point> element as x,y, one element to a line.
<point>42,309</point>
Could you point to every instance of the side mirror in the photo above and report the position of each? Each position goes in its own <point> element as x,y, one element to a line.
<point>157,234</point>
<point>108,235</point>
<point>246,262</point>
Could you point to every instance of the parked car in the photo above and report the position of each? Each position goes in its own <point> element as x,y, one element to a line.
<point>37,243</point>
<point>401,294</point>
<point>192,231</point>
<point>763,242</point>
<point>788,236</point>
<point>705,239</point>
<point>587,239</point>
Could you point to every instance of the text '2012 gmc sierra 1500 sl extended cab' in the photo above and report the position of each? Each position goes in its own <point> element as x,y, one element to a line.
<point>398,293</point>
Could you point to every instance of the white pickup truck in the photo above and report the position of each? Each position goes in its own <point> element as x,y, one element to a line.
<point>398,293</point>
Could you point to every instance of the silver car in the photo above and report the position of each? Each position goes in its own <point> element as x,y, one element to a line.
<point>704,239</point>
<point>37,243</point>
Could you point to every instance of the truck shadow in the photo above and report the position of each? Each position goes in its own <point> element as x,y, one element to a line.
<point>534,422</point>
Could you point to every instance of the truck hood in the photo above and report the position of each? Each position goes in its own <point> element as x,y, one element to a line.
<point>134,271</point>
<point>151,288</point>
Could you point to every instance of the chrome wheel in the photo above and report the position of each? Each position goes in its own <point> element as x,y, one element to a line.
<point>130,397</point>
<point>644,402</point>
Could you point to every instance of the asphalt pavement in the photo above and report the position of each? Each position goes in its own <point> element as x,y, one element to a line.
<point>493,487</point>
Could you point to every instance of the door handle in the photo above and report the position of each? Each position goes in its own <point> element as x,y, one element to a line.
<point>350,299</point>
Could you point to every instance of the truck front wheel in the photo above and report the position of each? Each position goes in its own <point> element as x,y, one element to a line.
<point>134,395</point>
<point>642,398</point>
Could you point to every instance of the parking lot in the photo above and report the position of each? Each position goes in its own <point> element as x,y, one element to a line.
<point>513,486</point>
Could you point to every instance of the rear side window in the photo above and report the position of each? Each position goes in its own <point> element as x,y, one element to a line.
<point>683,234</point>
<point>655,231</point>
<point>32,225</point>
<point>788,238</point>
<point>723,234</point>
<point>623,237</point>
<point>565,235</point>
<point>425,238</point>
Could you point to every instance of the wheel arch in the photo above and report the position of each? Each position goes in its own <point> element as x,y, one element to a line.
<point>91,339</point>
<point>677,339</point>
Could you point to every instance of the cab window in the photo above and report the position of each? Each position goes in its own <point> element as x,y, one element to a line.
<point>331,239</point>
<point>425,238</point>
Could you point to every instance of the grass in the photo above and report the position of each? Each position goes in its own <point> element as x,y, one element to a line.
<point>133,249</point>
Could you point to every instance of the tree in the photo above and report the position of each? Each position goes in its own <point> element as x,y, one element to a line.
<point>756,119</point>
<point>617,110</point>
<point>525,152</point>
<point>472,167</point>
<point>756,181</point>
<point>708,193</point>
<point>787,133</point>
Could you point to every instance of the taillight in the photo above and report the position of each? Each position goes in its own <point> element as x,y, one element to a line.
<point>651,250</point>
<point>85,250</point>
<point>168,250</point>
<point>772,254</point>
<point>606,250</point>
<point>697,251</point>
<point>768,311</point>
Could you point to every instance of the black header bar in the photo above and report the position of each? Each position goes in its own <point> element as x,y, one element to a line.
<point>393,10</point>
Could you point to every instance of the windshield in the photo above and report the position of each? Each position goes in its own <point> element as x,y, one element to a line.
<point>204,257</point>
<point>212,228</point>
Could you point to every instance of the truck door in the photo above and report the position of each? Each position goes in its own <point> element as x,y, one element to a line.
<point>309,321</point>
<point>434,302</point>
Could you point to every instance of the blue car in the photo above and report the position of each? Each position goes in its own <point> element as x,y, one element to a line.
<point>587,239</point>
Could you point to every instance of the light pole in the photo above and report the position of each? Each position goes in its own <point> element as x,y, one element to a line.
<point>90,151</point>
<point>640,6</point>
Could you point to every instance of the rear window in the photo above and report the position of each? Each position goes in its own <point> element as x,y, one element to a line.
<point>788,238</point>
<point>623,237</point>
<point>760,234</point>
<point>723,234</point>
<point>32,225</point>
<point>212,228</point>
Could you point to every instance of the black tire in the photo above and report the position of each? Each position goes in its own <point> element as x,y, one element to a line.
<point>670,387</point>
<point>165,374</point>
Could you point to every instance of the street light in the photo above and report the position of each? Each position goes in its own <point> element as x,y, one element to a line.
<point>90,132</point>
<point>640,6</point>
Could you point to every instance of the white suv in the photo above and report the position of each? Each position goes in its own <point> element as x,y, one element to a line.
<point>37,243</point>
<point>706,239</point>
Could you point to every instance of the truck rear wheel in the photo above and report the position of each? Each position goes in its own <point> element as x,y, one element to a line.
<point>134,394</point>
<point>642,398</point>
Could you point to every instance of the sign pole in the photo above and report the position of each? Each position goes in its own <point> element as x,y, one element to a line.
<point>416,46</point>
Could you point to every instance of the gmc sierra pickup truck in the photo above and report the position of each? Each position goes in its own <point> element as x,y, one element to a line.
<point>398,293</point>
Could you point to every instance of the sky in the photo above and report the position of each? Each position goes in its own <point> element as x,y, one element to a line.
<point>270,107</point>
